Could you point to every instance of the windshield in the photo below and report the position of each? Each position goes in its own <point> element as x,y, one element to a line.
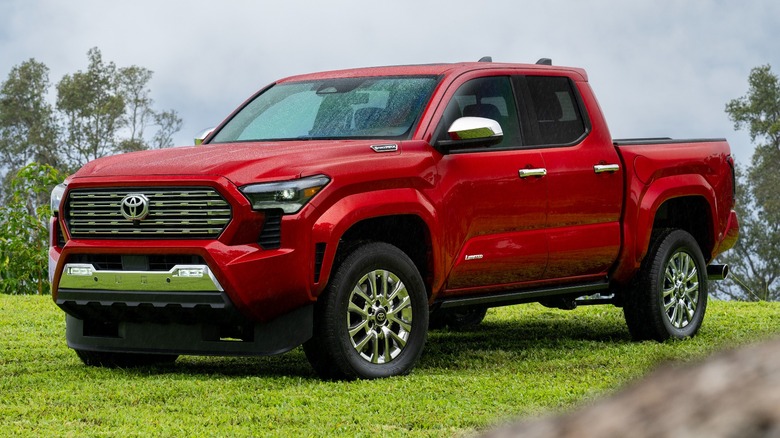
<point>385,107</point>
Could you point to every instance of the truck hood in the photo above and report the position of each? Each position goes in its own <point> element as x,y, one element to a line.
<point>239,162</point>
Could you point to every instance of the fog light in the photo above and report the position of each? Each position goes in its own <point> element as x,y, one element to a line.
<point>80,270</point>
<point>189,272</point>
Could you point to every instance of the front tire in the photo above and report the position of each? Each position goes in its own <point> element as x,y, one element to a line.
<point>669,298</point>
<point>372,320</point>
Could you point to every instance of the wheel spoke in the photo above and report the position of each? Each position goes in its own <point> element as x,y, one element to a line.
<point>404,304</point>
<point>673,315</point>
<point>360,311</point>
<point>372,285</point>
<point>690,310</point>
<point>385,278</point>
<point>398,286</point>
<point>669,274</point>
<point>387,344</point>
<point>405,325</point>
<point>359,292</point>
<point>678,315</point>
<point>674,265</point>
<point>669,305</point>
<point>692,276</point>
<point>692,272</point>
<point>692,293</point>
<point>360,346</point>
<point>357,329</point>
<point>375,349</point>
<point>398,340</point>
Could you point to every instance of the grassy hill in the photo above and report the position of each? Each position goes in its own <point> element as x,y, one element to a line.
<point>523,361</point>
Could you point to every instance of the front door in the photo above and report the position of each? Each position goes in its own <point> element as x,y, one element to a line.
<point>494,200</point>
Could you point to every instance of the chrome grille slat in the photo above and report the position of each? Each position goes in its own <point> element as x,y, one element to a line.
<point>174,212</point>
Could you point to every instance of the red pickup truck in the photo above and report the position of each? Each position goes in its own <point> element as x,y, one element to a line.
<point>349,210</point>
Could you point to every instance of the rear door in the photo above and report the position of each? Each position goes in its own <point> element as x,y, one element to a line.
<point>584,178</point>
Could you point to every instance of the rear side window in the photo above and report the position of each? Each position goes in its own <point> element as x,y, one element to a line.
<point>557,114</point>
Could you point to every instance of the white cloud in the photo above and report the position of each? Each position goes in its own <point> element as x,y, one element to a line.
<point>659,68</point>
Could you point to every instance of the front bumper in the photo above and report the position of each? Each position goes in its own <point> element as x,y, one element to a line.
<point>119,298</point>
<point>242,307</point>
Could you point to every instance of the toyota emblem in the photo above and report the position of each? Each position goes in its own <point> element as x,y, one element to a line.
<point>135,207</point>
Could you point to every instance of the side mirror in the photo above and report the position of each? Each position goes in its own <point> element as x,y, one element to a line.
<point>471,132</point>
<point>202,136</point>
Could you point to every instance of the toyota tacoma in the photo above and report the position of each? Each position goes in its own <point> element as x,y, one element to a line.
<point>348,211</point>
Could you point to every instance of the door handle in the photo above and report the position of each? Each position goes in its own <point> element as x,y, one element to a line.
<point>525,173</point>
<point>604,168</point>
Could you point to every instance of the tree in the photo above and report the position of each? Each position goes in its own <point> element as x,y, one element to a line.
<point>92,108</point>
<point>108,109</point>
<point>140,115</point>
<point>755,259</point>
<point>28,130</point>
<point>169,123</point>
<point>133,82</point>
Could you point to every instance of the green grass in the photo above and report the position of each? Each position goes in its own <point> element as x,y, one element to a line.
<point>523,361</point>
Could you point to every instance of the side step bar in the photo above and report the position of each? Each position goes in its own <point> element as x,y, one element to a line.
<point>523,296</point>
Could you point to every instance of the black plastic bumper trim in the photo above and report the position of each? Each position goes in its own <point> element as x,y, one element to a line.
<point>274,337</point>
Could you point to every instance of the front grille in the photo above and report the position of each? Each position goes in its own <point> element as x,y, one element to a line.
<point>174,213</point>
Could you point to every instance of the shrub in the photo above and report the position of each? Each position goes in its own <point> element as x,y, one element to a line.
<point>24,230</point>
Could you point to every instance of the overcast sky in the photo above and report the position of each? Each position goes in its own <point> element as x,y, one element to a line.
<point>659,68</point>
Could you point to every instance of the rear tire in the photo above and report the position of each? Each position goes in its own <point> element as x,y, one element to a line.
<point>123,360</point>
<point>372,320</point>
<point>669,297</point>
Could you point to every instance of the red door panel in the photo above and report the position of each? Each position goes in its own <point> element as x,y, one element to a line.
<point>496,218</point>
<point>585,203</point>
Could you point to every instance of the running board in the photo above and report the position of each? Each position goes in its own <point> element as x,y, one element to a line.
<point>523,296</point>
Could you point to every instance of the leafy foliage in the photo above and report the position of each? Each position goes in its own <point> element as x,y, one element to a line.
<point>24,232</point>
<point>755,259</point>
<point>28,129</point>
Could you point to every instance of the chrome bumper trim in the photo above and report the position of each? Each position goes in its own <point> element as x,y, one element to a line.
<point>181,278</point>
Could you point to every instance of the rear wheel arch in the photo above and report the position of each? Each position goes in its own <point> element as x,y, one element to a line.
<point>692,214</point>
<point>685,202</point>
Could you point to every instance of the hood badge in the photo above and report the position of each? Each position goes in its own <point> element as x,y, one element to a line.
<point>135,207</point>
<point>379,148</point>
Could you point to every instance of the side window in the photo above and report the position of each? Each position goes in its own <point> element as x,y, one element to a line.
<point>558,116</point>
<point>491,98</point>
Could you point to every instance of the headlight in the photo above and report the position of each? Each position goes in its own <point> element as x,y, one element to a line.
<point>56,197</point>
<point>289,196</point>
